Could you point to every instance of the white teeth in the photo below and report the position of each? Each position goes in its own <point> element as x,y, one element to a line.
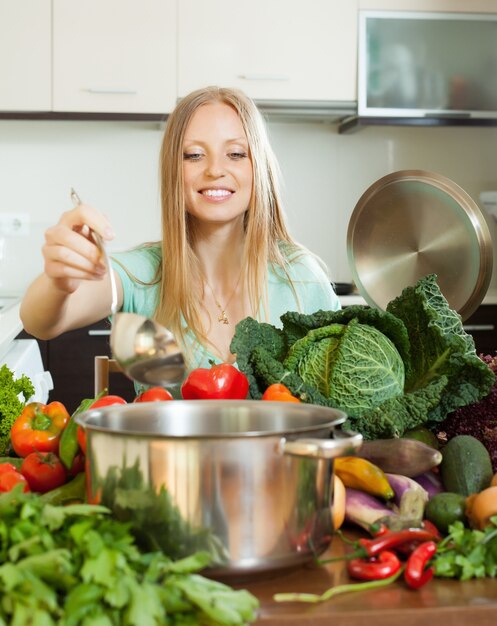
<point>216,193</point>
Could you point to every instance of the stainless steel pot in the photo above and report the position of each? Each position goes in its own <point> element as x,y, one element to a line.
<point>250,482</point>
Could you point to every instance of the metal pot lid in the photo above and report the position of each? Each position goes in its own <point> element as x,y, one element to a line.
<point>412,223</point>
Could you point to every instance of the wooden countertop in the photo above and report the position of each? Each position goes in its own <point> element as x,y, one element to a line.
<point>440,603</point>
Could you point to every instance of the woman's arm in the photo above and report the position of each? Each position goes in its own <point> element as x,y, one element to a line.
<point>74,289</point>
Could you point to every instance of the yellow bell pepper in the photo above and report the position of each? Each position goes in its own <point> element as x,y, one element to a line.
<point>361,474</point>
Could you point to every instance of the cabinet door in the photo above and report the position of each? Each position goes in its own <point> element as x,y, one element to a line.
<point>25,49</point>
<point>116,56</point>
<point>271,49</point>
<point>71,362</point>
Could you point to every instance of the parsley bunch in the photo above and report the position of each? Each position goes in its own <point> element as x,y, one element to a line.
<point>10,404</point>
<point>467,553</point>
<point>77,566</point>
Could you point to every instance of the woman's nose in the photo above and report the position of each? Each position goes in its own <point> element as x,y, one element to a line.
<point>214,168</point>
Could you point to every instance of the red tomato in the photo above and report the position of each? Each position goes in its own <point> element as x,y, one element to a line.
<point>7,467</point>
<point>8,480</point>
<point>154,394</point>
<point>107,401</point>
<point>44,471</point>
<point>81,436</point>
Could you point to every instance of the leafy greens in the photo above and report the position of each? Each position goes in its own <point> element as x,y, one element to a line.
<point>388,370</point>
<point>10,404</point>
<point>75,565</point>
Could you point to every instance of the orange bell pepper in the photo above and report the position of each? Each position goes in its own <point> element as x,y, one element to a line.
<point>279,393</point>
<point>39,428</point>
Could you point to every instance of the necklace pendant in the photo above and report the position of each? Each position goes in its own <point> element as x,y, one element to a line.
<point>223,319</point>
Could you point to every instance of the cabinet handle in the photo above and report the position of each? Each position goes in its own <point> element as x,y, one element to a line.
<point>264,77</point>
<point>115,92</point>
<point>473,327</point>
<point>99,333</point>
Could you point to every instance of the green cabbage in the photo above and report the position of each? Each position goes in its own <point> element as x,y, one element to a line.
<point>326,356</point>
<point>388,370</point>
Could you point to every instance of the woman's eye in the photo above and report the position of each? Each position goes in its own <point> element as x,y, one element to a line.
<point>238,155</point>
<point>191,156</point>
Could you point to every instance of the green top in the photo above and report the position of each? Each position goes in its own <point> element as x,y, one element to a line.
<point>312,287</point>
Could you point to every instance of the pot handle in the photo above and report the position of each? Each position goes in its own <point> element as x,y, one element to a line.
<point>343,443</point>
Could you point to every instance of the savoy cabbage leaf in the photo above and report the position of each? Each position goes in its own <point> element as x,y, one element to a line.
<point>440,347</point>
<point>388,370</point>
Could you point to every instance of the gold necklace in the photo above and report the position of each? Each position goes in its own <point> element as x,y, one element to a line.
<point>223,318</point>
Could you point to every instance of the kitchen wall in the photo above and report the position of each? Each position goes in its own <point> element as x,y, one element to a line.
<point>114,166</point>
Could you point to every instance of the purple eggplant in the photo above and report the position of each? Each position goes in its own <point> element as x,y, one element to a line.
<point>401,455</point>
<point>400,484</point>
<point>430,482</point>
<point>363,509</point>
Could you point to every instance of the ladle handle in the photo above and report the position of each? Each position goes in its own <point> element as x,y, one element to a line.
<point>99,242</point>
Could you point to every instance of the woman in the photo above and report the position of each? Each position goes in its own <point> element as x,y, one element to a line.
<point>225,251</point>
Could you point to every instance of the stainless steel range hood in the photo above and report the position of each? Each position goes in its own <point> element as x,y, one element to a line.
<point>306,110</point>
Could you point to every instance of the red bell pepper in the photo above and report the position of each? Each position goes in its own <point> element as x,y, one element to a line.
<point>220,382</point>
<point>279,393</point>
<point>39,428</point>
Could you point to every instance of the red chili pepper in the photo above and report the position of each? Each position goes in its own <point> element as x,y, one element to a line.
<point>373,547</point>
<point>39,428</point>
<point>378,529</point>
<point>416,573</point>
<point>220,382</point>
<point>384,565</point>
<point>430,526</point>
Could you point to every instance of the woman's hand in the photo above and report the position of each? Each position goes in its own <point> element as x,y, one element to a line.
<point>69,253</point>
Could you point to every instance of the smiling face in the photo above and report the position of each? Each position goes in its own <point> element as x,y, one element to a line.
<point>217,170</point>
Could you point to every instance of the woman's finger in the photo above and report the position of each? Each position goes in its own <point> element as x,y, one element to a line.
<point>64,241</point>
<point>83,215</point>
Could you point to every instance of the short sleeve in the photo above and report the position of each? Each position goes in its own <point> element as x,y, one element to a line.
<point>137,270</point>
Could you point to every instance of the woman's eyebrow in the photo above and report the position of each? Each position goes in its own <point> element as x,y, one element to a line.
<point>201,143</point>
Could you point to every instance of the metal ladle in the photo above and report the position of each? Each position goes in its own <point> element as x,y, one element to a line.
<point>146,351</point>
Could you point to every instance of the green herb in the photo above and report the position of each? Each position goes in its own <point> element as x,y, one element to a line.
<point>74,565</point>
<point>390,371</point>
<point>467,553</point>
<point>10,404</point>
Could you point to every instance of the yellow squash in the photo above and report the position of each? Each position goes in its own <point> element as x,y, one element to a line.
<point>361,474</point>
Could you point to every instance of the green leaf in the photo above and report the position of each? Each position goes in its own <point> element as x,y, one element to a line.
<point>145,607</point>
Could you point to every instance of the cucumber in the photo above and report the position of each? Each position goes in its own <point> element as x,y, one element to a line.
<point>466,467</point>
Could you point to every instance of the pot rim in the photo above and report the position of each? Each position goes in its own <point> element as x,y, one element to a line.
<point>331,418</point>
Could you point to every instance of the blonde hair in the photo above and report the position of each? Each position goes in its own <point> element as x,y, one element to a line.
<point>265,230</point>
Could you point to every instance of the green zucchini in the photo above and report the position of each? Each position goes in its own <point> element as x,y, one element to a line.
<point>466,467</point>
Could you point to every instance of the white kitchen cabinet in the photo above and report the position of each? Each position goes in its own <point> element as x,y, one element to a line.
<point>272,49</point>
<point>25,47</point>
<point>117,56</point>
<point>464,6</point>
